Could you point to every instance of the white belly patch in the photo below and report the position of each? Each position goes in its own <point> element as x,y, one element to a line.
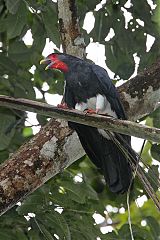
<point>99,104</point>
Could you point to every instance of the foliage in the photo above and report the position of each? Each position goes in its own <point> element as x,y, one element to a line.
<point>64,207</point>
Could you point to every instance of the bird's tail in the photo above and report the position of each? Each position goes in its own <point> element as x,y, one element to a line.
<point>107,156</point>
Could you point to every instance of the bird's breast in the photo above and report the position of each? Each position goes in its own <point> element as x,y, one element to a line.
<point>99,103</point>
<point>91,103</point>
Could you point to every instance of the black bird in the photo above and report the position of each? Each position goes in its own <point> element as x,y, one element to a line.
<point>88,87</point>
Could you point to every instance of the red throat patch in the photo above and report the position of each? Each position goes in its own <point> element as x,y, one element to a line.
<point>58,64</point>
<point>61,66</point>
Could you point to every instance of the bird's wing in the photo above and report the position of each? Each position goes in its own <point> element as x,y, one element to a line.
<point>69,97</point>
<point>109,90</point>
<point>106,155</point>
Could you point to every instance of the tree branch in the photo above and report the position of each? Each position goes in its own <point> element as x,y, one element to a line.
<point>94,120</point>
<point>46,154</point>
<point>141,94</point>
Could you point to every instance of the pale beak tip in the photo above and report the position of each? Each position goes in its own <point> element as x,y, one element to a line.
<point>42,61</point>
<point>46,68</point>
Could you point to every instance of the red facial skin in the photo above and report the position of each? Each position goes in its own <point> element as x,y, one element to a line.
<point>62,67</point>
<point>57,63</point>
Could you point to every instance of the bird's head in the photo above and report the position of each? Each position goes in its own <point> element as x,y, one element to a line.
<point>55,61</point>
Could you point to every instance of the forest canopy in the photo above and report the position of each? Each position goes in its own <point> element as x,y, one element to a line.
<point>68,205</point>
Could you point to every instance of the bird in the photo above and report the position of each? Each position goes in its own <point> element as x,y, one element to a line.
<point>88,88</point>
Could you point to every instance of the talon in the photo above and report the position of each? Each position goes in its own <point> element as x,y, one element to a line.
<point>91,111</point>
<point>63,105</point>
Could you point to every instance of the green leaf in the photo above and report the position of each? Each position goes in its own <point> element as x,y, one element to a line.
<point>119,61</point>
<point>79,192</point>
<point>154,227</point>
<point>45,232</point>
<point>20,235</point>
<point>49,15</point>
<point>5,234</point>
<point>155,117</point>
<point>33,234</point>
<point>150,57</point>
<point>23,85</point>
<point>8,65</point>
<point>34,203</point>
<point>156,15</point>
<point>3,155</point>
<point>7,129</point>
<point>39,36</point>
<point>155,151</point>
<point>3,26</point>
<point>42,119</point>
<point>91,4</point>
<point>146,156</point>
<point>27,132</point>
<point>56,82</point>
<point>19,91</point>
<point>15,23</point>
<point>101,28</point>
<point>154,177</point>
<point>12,5</point>
<point>19,52</point>
<point>1,6</point>
<point>79,230</point>
<point>111,236</point>
<point>144,14</point>
<point>138,233</point>
<point>58,222</point>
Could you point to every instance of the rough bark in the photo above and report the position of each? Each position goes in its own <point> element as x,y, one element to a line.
<point>49,152</point>
<point>72,40</point>
<point>55,146</point>
<point>141,95</point>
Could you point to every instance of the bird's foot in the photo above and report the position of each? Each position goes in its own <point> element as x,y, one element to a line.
<point>63,105</point>
<point>90,111</point>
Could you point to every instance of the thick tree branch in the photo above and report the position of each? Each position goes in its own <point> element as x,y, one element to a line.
<point>55,146</point>
<point>49,152</point>
<point>94,120</point>
<point>141,95</point>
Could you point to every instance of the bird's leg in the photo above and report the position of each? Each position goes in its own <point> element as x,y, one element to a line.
<point>99,105</point>
<point>97,111</point>
<point>82,106</point>
<point>63,105</point>
<point>91,111</point>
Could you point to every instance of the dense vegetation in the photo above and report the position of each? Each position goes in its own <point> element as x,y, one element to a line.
<point>65,206</point>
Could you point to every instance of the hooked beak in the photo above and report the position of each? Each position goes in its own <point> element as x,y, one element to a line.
<point>48,62</point>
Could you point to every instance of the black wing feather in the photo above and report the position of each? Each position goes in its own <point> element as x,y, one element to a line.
<point>104,153</point>
<point>109,90</point>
